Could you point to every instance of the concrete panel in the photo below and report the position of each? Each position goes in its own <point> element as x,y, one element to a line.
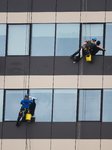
<point>16,82</point>
<point>22,17</point>
<point>63,130</point>
<point>95,67</point>
<point>106,144</point>
<point>43,17</point>
<point>11,131</point>
<point>88,130</point>
<point>90,82</point>
<point>41,65</point>
<point>41,82</point>
<point>108,5</point>
<point>109,16</point>
<point>66,81</point>
<point>87,144</point>
<point>19,5</point>
<point>92,17</point>
<point>106,130</point>
<point>65,66</point>
<point>3,17</point>
<point>14,144</point>
<point>39,130</point>
<point>2,65</point>
<point>62,144</point>
<point>17,65</point>
<point>68,5</point>
<point>90,5</point>
<point>40,144</point>
<point>44,5</point>
<point>107,81</point>
<point>3,5</point>
<point>107,65</point>
<point>68,17</point>
<point>2,83</point>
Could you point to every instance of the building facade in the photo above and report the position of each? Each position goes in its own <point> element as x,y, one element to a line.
<point>73,110</point>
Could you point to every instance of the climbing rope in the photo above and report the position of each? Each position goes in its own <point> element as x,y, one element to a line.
<point>53,75</point>
<point>102,78</point>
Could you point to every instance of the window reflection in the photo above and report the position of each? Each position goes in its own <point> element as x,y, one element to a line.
<point>42,40</point>
<point>43,104</point>
<point>89,105</point>
<point>12,103</point>
<point>2,39</point>
<point>67,41</point>
<point>107,105</point>
<point>65,103</point>
<point>1,104</point>
<point>92,30</point>
<point>18,39</point>
<point>108,39</point>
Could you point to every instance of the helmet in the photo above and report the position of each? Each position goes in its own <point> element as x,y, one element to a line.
<point>94,38</point>
<point>26,95</point>
<point>98,43</point>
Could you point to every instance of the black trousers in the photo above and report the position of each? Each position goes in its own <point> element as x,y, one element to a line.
<point>22,113</point>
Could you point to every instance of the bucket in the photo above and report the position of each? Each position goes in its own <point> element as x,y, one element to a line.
<point>28,117</point>
<point>88,58</point>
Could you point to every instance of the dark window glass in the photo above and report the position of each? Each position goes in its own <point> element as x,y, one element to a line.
<point>12,103</point>
<point>18,39</point>
<point>42,40</point>
<point>65,103</point>
<point>67,41</point>
<point>2,39</point>
<point>108,39</point>
<point>1,104</point>
<point>89,105</point>
<point>107,105</point>
<point>43,104</point>
<point>92,30</point>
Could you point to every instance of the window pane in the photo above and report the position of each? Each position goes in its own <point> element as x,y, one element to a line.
<point>89,105</point>
<point>92,30</point>
<point>2,39</point>
<point>43,39</point>
<point>1,104</point>
<point>18,39</point>
<point>43,104</point>
<point>107,105</point>
<point>65,102</point>
<point>67,41</point>
<point>108,39</point>
<point>12,103</point>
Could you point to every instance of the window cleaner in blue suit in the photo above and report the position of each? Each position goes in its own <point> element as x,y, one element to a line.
<point>28,106</point>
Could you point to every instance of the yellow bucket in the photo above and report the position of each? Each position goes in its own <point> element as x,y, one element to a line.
<point>28,117</point>
<point>88,58</point>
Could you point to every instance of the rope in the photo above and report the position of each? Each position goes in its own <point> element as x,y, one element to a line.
<point>26,52</point>
<point>30,61</point>
<point>53,75</point>
<point>102,78</point>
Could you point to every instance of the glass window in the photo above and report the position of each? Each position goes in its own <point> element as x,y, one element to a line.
<point>65,103</point>
<point>107,105</point>
<point>18,39</point>
<point>1,104</point>
<point>12,103</point>
<point>108,39</point>
<point>43,104</point>
<point>42,39</point>
<point>89,105</point>
<point>2,39</point>
<point>67,41</point>
<point>92,30</point>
